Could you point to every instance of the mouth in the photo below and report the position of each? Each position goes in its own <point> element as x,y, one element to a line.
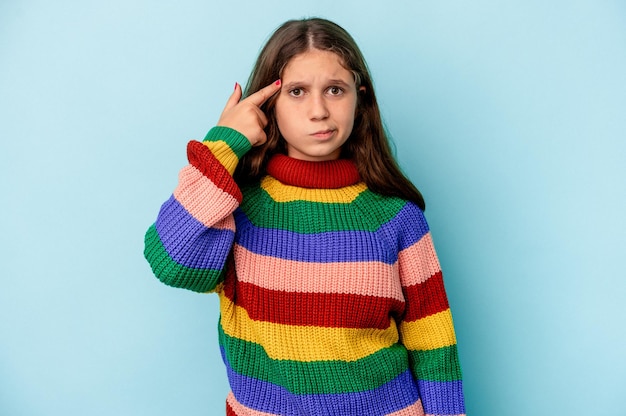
<point>323,134</point>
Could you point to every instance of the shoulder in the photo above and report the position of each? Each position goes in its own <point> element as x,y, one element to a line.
<point>402,222</point>
<point>395,208</point>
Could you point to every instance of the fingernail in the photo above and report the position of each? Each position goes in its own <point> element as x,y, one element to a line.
<point>278,82</point>
<point>236,86</point>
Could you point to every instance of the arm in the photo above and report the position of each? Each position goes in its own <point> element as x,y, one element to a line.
<point>427,330</point>
<point>188,244</point>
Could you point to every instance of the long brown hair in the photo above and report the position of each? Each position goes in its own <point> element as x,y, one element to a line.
<point>368,145</point>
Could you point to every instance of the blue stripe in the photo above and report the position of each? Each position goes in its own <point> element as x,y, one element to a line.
<point>189,242</point>
<point>324,247</point>
<point>442,397</point>
<point>407,227</point>
<point>402,231</point>
<point>398,394</point>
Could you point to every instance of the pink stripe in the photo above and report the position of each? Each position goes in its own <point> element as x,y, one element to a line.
<point>418,262</point>
<point>227,223</point>
<point>242,410</point>
<point>204,200</point>
<point>358,278</point>
<point>415,409</point>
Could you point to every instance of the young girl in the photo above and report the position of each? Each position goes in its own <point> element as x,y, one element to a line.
<point>295,213</point>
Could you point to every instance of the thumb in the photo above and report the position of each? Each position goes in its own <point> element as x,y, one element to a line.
<point>234,97</point>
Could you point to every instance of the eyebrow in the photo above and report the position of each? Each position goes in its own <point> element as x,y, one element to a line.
<point>339,82</point>
<point>336,81</point>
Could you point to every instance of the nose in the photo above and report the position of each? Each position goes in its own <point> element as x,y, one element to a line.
<point>318,108</point>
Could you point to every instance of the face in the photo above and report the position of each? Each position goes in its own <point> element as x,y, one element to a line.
<point>316,105</point>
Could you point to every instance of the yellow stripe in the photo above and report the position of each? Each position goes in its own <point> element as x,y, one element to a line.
<point>286,193</point>
<point>434,331</point>
<point>224,154</point>
<point>305,343</point>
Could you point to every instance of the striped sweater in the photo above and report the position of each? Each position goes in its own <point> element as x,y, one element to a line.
<point>331,296</point>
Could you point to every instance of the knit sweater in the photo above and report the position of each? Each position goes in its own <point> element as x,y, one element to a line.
<point>331,296</point>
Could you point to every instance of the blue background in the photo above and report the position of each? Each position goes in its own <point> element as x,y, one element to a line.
<point>509,116</point>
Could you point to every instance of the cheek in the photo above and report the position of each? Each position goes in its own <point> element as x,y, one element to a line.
<point>348,115</point>
<point>284,112</point>
<point>278,111</point>
<point>284,121</point>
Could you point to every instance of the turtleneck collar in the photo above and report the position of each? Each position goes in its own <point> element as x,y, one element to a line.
<point>329,174</point>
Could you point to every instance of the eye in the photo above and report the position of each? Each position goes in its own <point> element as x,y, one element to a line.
<point>335,90</point>
<point>295,92</point>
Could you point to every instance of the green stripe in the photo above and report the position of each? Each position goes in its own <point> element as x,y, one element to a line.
<point>315,377</point>
<point>441,364</point>
<point>174,274</point>
<point>237,142</point>
<point>312,217</point>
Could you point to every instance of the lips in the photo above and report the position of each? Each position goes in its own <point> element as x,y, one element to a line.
<point>323,134</point>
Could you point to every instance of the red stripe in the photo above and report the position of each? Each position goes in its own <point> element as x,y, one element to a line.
<point>337,310</point>
<point>201,157</point>
<point>329,174</point>
<point>229,410</point>
<point>426,298</point>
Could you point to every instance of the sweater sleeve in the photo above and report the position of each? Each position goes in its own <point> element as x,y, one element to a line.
<point>426,329</point>
<point>189,243</point>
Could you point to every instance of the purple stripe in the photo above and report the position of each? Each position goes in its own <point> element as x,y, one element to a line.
<point>402,231</point>
<point>407,227</point>
<point>325,247</point>
<point>260,395</point>
<point>442,397</point>
<point>189,242</point>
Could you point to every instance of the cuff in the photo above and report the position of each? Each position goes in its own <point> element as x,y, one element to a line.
<point>236,142</point>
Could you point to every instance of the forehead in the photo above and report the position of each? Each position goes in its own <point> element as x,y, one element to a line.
<point>314,64</point>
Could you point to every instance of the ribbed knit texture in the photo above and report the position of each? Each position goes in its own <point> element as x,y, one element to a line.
<point>331,296</point>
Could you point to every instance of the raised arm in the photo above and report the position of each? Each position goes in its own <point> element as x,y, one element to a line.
<point>189,243</point>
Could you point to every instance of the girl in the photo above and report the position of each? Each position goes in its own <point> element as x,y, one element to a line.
<point>295,213</point>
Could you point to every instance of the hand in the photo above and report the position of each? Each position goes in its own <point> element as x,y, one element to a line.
<point>245,115</point>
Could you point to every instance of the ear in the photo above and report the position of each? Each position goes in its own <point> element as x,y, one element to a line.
<point>362,89</point>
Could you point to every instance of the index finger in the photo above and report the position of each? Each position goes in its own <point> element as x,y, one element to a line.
<point>262,95</point>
